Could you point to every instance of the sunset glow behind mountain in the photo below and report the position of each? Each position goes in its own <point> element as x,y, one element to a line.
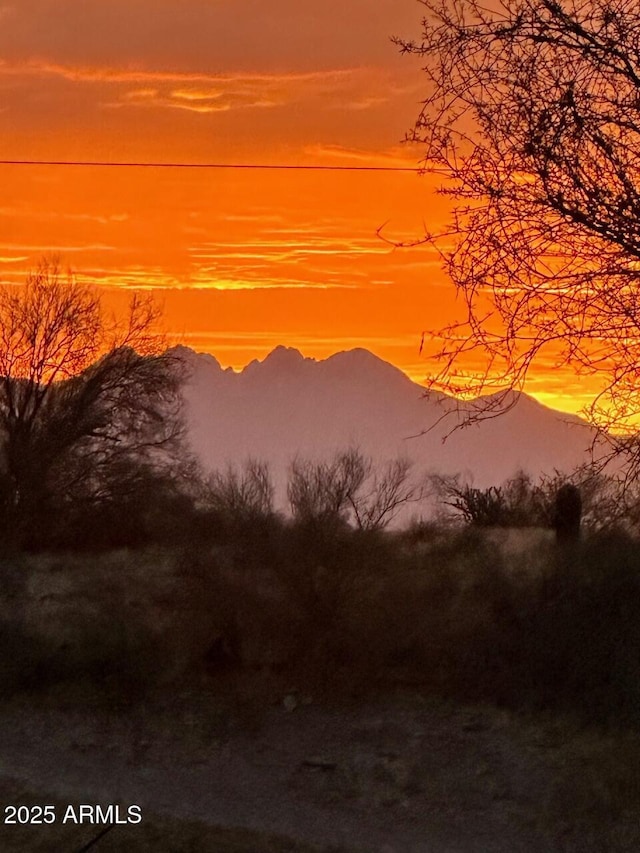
<point>241,260</point>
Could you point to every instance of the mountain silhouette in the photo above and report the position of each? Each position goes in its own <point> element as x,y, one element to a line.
<point>287,405</point>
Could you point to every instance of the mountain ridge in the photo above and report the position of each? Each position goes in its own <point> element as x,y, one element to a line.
<point>287,404</point>
<point>283,355</point>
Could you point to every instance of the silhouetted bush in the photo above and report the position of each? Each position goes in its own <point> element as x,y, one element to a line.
<point>605,503</point>
<point>454,613</point>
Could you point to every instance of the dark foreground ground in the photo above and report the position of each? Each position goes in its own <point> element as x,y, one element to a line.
<point>271,769</point>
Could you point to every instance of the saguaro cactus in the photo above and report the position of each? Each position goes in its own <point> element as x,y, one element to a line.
<point>567,513</point>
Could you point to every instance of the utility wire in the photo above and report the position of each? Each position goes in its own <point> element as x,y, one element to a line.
<point>256,166</point>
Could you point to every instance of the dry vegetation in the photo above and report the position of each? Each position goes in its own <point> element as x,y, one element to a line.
<point>247,612</point>
<point>445,610</point>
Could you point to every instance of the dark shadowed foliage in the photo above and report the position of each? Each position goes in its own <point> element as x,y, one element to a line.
<point>89,407</point>
<point>351,488</point>
<point>586,498</point>
<point>567,513</point>
<point>518,502</point>
<point>240,495</point>
<point>453,615</point>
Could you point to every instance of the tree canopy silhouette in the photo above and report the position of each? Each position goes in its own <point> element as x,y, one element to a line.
<point>349,488</point>
<point>89,406</point>
<point>533,113</point>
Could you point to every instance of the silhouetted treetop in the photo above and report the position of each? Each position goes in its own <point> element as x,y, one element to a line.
<point>83,398</point>
<point>533,113</point>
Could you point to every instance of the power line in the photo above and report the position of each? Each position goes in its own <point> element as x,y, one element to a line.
<point>255,166</point>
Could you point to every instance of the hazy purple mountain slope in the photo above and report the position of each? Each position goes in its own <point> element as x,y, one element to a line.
<point>288,405</point>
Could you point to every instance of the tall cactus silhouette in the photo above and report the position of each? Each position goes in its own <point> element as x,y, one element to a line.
<point>567,513</point>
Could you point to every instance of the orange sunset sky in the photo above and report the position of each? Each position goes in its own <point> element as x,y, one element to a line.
<point>241,260</point>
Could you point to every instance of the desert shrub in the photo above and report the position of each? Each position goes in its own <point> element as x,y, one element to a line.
<point>90,619</point>
<point>152,509</point>
<point>451,613</point>
<point>588,631</point>
<point>553,628</point>
<point>516,503</point>
<point>607,502</point>
<point>240,614</point>
<point>458,618</point>
<point>564,638</point>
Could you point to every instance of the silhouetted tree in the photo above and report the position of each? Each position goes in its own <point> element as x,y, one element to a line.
<point>533,115</point>
<point>349,488</point>
<point>318,491</point>
<point>383,493</point>
<point>244,494</point>
<point>84,400</point>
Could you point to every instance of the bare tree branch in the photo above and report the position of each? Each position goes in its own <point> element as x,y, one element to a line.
<point>349,488</point>
<point>533,113</point>
<point>82,399</point>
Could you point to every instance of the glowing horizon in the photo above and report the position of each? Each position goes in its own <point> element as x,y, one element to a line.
<point>237,258</point>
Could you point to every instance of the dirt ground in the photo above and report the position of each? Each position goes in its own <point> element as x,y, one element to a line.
<point>390,775</point>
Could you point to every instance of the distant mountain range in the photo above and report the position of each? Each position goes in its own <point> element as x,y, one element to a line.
<point>288,405</point>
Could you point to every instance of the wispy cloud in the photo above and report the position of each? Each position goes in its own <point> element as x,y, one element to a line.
<point>202,278</point>
<point>405,156</point>
<point>144,75</point>
<point>198,92</point>
<point>45,249</point>
<point>275,337</point>
<point>28,213</point>
<point>284,257</point>
<point>230,342</point>
<point>290,250</point>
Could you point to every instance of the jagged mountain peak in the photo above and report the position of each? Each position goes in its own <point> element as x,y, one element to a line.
<point>280,359</point>
<point>287,404</point>
<point>359,362</point>
<point>192,358</point>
